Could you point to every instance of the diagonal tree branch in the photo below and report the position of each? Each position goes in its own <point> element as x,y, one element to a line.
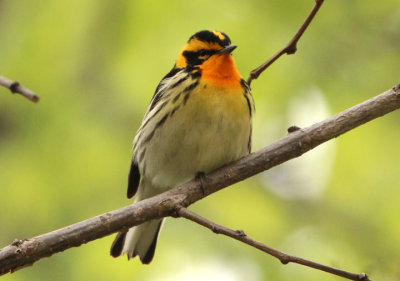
<point>25,252</point>
<point>290,48</point>
<point>16,88</point>
<point>283,257</point>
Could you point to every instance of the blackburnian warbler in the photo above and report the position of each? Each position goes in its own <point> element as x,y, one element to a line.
<point>199,119</point>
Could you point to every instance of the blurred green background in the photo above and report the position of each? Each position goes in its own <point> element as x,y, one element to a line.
<point>95,65</point>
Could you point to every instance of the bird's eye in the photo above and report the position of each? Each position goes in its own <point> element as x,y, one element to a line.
<point>202,52</point>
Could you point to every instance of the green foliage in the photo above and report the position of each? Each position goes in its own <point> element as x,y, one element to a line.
<point>95,65</point>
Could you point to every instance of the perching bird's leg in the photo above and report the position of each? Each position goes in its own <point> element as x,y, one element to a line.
<point>201,177</point>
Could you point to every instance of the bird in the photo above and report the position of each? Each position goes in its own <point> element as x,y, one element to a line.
<point>199,119</point>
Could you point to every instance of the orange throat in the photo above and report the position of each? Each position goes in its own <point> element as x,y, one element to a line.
<point>221,70</point>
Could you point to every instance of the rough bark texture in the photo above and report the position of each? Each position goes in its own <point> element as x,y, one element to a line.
<point>25,252</point>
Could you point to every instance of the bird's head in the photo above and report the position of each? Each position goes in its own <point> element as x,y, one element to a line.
<point>202,46</point>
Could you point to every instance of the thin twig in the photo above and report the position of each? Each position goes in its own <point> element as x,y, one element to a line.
<point>26,252</point>
<point>283,257</point>
<point>291,47</point>
<point>16,88</point>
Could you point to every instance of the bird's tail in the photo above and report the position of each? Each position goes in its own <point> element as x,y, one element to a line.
<point>139,241</point>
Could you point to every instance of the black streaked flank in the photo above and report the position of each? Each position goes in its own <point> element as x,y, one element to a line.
<point>155,113</point>
<point>246,94</point>
<point>149,136</point>
<point>248,102</point>
<point>156,99</point>
<point>188,90</point>
<point>160,107</point>
<point>185,99</point>
<point>249,142</point>
<point>191,86</point>
<point>244,84</point>
<point>176,98</point>
<point>179,81</point>
<point>133,179</point>
<point>174,110</point>
<point>159,123</point>
<point>158,95</point>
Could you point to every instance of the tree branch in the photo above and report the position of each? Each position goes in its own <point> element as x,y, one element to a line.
<point>25,252</point>
<point>16,88</point>
<point>290,48</point>
<point>283,257</point>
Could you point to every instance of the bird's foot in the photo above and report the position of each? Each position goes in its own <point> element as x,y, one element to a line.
<point>201,177</point>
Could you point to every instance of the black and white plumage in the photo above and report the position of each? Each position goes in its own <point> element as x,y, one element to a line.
<point>198,120</point>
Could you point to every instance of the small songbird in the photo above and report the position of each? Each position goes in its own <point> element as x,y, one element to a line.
<point>199,119</point>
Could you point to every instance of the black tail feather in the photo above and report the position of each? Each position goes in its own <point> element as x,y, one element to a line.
<point>118,244</point>
<point>150,252</point>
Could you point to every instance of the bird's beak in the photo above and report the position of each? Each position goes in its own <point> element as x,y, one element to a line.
<point>227,50</point>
